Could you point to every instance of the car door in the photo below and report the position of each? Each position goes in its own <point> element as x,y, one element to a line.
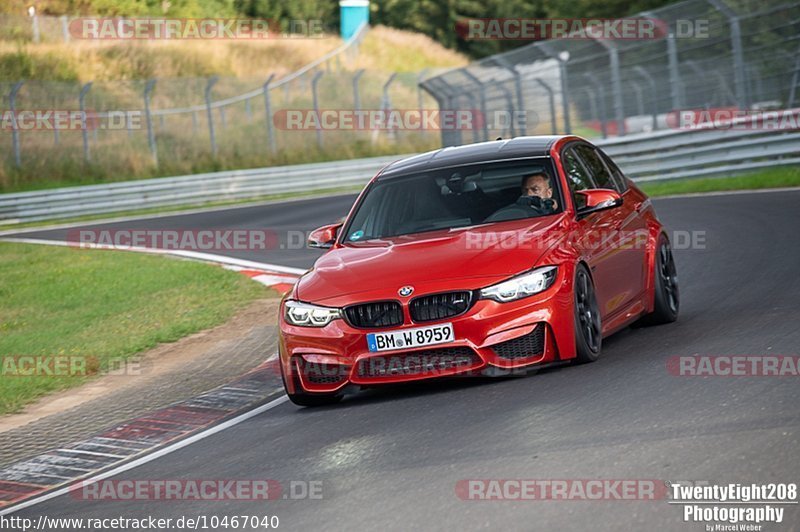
<point>595,250</point>
<point>623,233</point>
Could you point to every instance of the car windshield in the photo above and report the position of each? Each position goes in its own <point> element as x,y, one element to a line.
<point>455,197</point>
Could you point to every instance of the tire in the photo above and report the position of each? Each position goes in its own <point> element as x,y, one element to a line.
<point>588,328</point>
<point>308,399</point>
<point>667,295</point>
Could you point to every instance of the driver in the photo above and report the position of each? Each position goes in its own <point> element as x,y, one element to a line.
<point>539,185</point>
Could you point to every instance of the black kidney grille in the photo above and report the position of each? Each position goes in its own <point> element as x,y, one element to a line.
<point>525,346</point>
<point>375,314</point>
<point>440,306</point>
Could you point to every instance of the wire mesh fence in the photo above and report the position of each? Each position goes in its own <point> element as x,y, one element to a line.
<point>184,125</point>
<point>703,55</point>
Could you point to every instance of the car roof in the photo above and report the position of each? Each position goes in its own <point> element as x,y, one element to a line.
<point>498,150</point>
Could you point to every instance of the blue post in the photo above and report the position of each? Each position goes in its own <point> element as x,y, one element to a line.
<point>353,14</point>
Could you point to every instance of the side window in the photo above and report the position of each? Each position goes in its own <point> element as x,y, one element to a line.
<point>577,176</point>
<point>616,173</point>
<point>600,173</point>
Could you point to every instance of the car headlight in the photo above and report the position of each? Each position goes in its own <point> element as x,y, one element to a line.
<point>523,285</point>
<point>307,315</point>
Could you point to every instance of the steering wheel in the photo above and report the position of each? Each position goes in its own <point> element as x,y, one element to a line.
<point>524,207</point>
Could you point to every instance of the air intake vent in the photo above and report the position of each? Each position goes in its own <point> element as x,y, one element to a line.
<point>530,345</point>
<point>427,363</point>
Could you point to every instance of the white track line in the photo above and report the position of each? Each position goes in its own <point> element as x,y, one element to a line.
<point>154,216</point>
<point>195,255</point>
<point>150,457</point>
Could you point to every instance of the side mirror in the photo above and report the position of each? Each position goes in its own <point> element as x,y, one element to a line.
<point>324,237</point>
<point>598,199</point>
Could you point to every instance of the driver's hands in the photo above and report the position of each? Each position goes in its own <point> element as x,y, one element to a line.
<point>535,202</point>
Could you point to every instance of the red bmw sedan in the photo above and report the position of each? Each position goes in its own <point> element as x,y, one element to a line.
<point>479,259</point>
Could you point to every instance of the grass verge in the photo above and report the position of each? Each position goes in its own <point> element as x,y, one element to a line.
<point>773,178</point>
<point>90,309</point>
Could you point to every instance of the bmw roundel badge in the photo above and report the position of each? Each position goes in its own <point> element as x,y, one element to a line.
<point>406,291</point>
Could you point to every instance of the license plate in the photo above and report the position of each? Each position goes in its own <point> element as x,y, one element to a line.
<point>409,338</point>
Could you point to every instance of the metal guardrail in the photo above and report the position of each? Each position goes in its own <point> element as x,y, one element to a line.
<point>708,151</point>
<point>186,190</point>
<point>662,155</point>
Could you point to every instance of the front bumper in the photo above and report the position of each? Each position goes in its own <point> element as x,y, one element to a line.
<point>509,335</point>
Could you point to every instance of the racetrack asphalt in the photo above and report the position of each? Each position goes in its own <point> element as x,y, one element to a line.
<point>390,459</point>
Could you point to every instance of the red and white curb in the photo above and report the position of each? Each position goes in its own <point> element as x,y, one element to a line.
<point>280,282</point>
<point>158,433</point>
<point>141,440</point>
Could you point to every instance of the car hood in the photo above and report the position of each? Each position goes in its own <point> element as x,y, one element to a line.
<point>465,258</point>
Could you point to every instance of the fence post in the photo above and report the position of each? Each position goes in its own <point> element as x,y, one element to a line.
<point>795,81</point>
<point>675,84</point>
<point>64,27</point>
<point>151,136</point>
<point>518,87</point>
<point>420,77</point>
<point>616,84</point>
<point>444,98</point>
<point>482,90</point>
<point>12,104</point>
<point>563,58</point>
<point>552,101</point>
<point>268,111</point>
<point>652,83</point>
<point>210,115</point>
<point>386,102</point>
<point>84,125</point>
<point>56,133</point>
<point>315,96</point>
<point>473,104</point>
<point>739,81</point>
<point>356,97</point>
<point>247,110</point>
<point>35,27</point>
<point>511,129</point>
<point>592,103</point>
<point>598,94</point>
<point>637,89</point>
